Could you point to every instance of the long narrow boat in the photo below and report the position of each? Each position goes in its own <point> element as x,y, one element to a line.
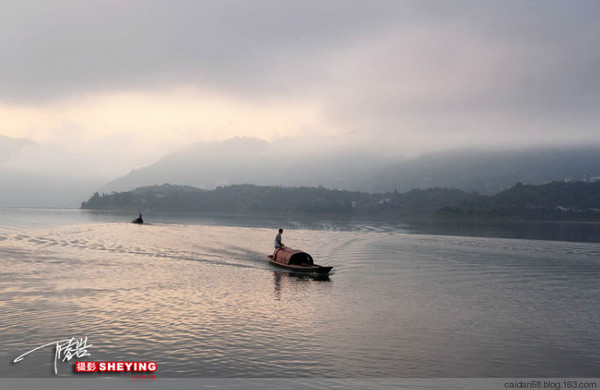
<point>296,260</point>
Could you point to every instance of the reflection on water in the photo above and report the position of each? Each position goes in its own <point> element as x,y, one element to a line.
<point>551,231</point>
<point>281,278</point>
<point>202,300</point>
<point>16,219</point>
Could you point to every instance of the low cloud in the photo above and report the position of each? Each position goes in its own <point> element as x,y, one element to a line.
<point>394,77</point>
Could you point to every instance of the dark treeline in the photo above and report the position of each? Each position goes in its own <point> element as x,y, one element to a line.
<point>553,201</point>
<point>577,201</point>
<point>252,199</point>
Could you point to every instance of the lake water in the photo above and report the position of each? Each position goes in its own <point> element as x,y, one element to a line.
<point>197,296</point>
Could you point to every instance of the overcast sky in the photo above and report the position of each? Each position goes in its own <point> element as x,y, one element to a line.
<point>109,85</point>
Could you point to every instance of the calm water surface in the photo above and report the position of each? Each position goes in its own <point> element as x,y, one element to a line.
<point>197,296</point>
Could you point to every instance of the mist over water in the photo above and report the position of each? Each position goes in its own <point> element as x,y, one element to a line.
<point>201,300</point>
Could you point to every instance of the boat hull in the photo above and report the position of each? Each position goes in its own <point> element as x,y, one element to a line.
<point>315,268</point>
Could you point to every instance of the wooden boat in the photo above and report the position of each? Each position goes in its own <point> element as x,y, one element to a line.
<point>138,220</point>
<point>296,261</point>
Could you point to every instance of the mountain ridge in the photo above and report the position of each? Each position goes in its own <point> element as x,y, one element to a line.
<point>253,161</point>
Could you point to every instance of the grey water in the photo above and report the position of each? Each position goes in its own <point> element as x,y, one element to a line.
<point>196,295</point>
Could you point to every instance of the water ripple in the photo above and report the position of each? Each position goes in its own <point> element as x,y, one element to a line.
<point>204,302</point>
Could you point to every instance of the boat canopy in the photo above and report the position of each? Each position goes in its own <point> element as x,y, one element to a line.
<point>289,256</point>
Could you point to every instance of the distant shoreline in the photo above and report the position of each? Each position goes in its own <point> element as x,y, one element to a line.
<point>555,201</point>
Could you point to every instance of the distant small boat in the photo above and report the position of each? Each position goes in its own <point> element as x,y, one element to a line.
<point>138,220</point>
<point>296,260</point>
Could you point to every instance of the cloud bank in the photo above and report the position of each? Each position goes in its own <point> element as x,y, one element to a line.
<point>136,79</point>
